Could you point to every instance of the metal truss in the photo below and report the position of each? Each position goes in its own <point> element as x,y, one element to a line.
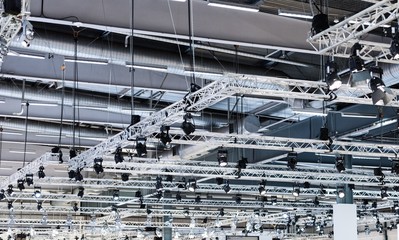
<point>351,29</point>
<point>287,144</point>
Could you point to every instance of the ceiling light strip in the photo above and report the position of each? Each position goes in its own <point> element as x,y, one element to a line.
<point>221,5</point>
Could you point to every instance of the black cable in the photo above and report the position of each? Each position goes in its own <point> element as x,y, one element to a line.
<point>190,43</point>
<point>132,79</point>
<point>62,104</point>
<point>75,38</point>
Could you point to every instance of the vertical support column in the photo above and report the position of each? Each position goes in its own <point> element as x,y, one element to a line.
<point>167,229</point>
<point>347,188</point>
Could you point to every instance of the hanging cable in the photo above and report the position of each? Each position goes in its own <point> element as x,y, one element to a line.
<point>75,79</point>
<point>62,103</point>
<point>190,38</point>
<point>132,83</point>
<point>1,142</point>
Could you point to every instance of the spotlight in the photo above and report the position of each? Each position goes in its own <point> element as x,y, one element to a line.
<point>395,167</point>
<point>188,125</point>
<point>125,177</point>
<point>384,193</point>
<point>394,48</point>
<point>118,155</point>
<point>198,199</point>
<point>165,137</point>
<point>9,190</point>
<point>242,163</point>
<point>20,184</point>
<point>262,185</point>
<point>319,23</point>
<point>292,160</point>
<point>138,194</point>
<point>159,195</point>
<point>10,206</point>
<point>141,147</point>
<point>41,173</point>
<point>71,174</point>
<point>227,187</point>
<point>39,206</point>
<point>81,192</point>
<point>341,193</point>
<point>114,208</point>
<point>78,175</point>
<point>380,95</point>
<point>178,196</point>
<point>222,157</point>
<point>219,181</point>
<point>2,195</point>
<point>115,196</point>
<point>27,34</point>
<point>221,212</point>
<point>29,179</point>
<point>356,64</point>
<point>339,164</point>
<point>98,165</point>
<point>273,200</point>
<point>316,201</point>
<point>238,198</point>
<point>75,207</point>
<point>158,184</point>
<point>332,79</point>
<point>38,192</point>
<point>72,153</point>
<point>296,190</point>
<point>192,185</point>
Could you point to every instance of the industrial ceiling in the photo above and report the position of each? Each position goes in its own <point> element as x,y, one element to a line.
<point>100,79</point>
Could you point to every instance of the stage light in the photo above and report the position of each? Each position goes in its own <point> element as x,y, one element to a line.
<point>27,34</point>
<point>165,137</point>
<point>188,125</point>
<point>316,201</point>
<point>222,157</point>
<point>118,155</point>
<point>384,193</point>
<point>125,177</point>
<point>360,75</point>
<point>39,206</point>
<point>115,195</point>
<point>296,191</point>
<point>238,198</point>
<point>198,199</point>
<point>394,48</point>
<point>227,187</point>
<point>138,194</point>
<point>221,212</point>
<point>262,189</point>
<point>159,195</point>
<point>395,166</point>
<point>158,184</point>
<point>98,165</point>
<point>2,195</point>
<point>75,207</point>
<point>141,146</point>
<point>292,160</point>
<point>72,153</point>
<point>20,184</point>
<point>10,191</point>
<point>78,175</point>
<point>10,206</point>
<point>41,173</point>
<point>192,185</point>
<point>29,179</point>
<point>178,196</point>
<point>332,79</point>
<point>381,95</point>
<point>81,192</point>
<point>37,192</point>
<point>339,164</point>
<point>71,174</point>
<point>219,181</point>
<point>242,163</point>
<point>340,193</point>
<point>114,209</point>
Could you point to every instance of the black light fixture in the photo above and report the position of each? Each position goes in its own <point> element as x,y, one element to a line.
<point>57,150</point>
<point>81,192</point>
<point>222,156</point>
<point>238,198</point>
<point>188,125</point>
<point>262,187</point>
<point>340,192</point>
<point>72,153</point>
<point>316,201</point>
<point>159,195</point>
<point>114,208</point>
<point>2,195</point>
<point>39,206</point>
<point>20,184</point>
<point>37,192</point>
<point>178,196</point>
<point>10,206</point>
<point>226,187</point>
<point>221,212</point>
<point>165,137</point>
<point>395,166</point>
<point>394,48</point>
<point>198,199</point>
<point>292,160</point>
<point>10,191</point>
<point>296,190</point>
<point>75,207</point>
<point>242,163</point>
<point>273,200</point>
<point>115,195</point>
<point>78,175</point>
<point>29,179</point>
<point>118,155</point>
<point>384,193</point>
<point>319,23</point>
<point>219,180</point>
<point>125,177</point>
<point>322,190</point>
<point>71,174</point>
<point>332,79</point>
<point>381,95</point>
<point>192,185</point>
<point>359,75</point>
<point>41,173</point>
<point>158,183</point>
<point>340,164</point>
<point>138,194</point>
<point>141,146</point>
<point>98,165</point>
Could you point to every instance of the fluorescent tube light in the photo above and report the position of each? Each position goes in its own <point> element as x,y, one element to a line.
<point>233,7</point>
<point>86,61</point>
<point>310,113</point>
<point>25,55</point>
<point>16,151</point>
<point>12,133</point>
<point>179,0</point>
<point>354,115</point>
<point>202,73</point>
<point>43,104</point>
<point>151,68</point>
<point>49,136</point>
<point>294,14</point>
